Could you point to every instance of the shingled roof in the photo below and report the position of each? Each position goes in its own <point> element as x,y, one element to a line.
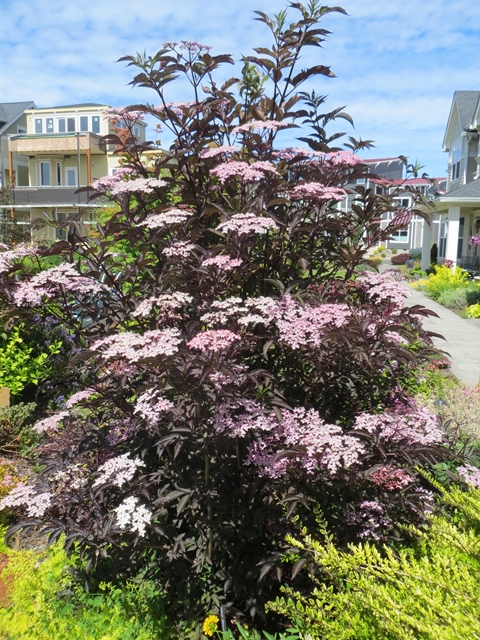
<point>10,111</point>
<point>466,104</point>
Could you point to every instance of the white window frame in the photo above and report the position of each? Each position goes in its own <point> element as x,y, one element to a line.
<point>75,172</point>
<point>398,237</point>
<point>40,173</point>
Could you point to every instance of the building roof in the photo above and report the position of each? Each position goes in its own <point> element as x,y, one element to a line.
<point>81,105</point>
<point>378,160</point>
<point>416,181</point>
<point>10,111</point>
<point>467,195</point>
<point>466,104</point>
<point>469,190</point>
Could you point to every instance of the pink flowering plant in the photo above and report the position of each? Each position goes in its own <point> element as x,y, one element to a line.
<point>238,371</point>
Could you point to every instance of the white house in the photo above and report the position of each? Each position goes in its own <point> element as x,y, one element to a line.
<point>459,207</point>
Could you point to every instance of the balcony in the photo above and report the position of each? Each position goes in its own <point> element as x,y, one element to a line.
<point>49,196</point>
<point>58,143</point>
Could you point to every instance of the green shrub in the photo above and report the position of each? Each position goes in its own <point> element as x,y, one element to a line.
<point>19,365</point>
<point>429,592</point>
<point>37,612</point>
<point>453,298</point>
<point>473,311</point>
<point>16,434</point>
<point>394,251</point>
<point>445,279</point>
<point>415,254</point>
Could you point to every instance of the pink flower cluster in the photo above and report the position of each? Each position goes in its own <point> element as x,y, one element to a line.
<point>214,340</point>
<point>134,346</point>
<point>474,241</point>
<point>246,172</point>
<point>245,223</point>
<point>470,474</point>
<point>370,517</point>
<point>151,406</point>
<point>51,282</point>
<point>256,125</point>
<point>123,113</point>
<point>223,263</point>
<point>343,158</point>
<point>167,218</point>
<point>216,151</point>
<point>137,185</point>
<point>107,183</point>
<point>300,326</point>
<point>383,288</point>
<point>317,191</point>
<point>239,417</point>
<point>8,257</point>
<point>318,445</point>
<point>51,423</point>
<point>251,311</point>
<point>118,471</point>
<point>35,504</point>
<point>297,153</point>
<point>178,108</point>
<point>78,397</point>
<point>391,478</point>
<point>167,304</point>
<point>179,250</point>
<point>414,426</point>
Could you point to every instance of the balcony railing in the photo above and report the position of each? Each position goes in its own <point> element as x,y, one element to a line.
<point>49,196</point>
<point>67,143</point>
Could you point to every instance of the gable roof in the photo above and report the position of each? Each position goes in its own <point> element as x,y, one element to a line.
<point>11,111</point>
<point>464,104</point>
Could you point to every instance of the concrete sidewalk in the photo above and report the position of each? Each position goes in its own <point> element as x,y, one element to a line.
<point>462,337</point>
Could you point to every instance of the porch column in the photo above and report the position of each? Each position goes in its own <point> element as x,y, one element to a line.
<point>452,234</point>
<point>426,244</point>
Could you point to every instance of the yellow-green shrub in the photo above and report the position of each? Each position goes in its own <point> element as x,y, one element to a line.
<point>429,592</point>
<point>473,311</point>
<point>444,279</point>
<point>37,612</point>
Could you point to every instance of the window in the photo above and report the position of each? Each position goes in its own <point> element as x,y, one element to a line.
<point>95,124</point>
<point>38,125</point>
<point>402,203</point>
<point>83,123</point>
<point>59,174</point>
<point>136,131</point>
<point>45,174</point>
<point>71,176</point>
<point>21,130</point>
<point>61,125</point>
<point>455,159</point>
<point>71,125</point>
<point>49,123</point>
<point>399,236</point>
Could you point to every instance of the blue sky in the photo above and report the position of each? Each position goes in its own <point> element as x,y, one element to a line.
<point>397,62</point>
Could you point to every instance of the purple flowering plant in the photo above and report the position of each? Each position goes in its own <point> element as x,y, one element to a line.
<point>238,370</point>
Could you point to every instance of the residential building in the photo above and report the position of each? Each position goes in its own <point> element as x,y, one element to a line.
<point>13,121</point>
<point>64,151</point>
<point>392,170</point>
<point>459,207</point>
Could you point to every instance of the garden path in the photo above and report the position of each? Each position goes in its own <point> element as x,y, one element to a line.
<point>462,338</point>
